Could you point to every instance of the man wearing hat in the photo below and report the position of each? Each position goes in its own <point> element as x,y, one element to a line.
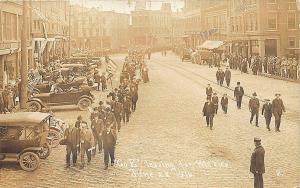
<point>208,112</point>
<point>209,91</point>
<point>257,166</point>
<point>218,76</point>
<point>238,94</point>
<point>222,76</point>
<point>224,103</point>
<point>267,112</point>
<point>101,108</point>
<point>254,108</point>
<point>277,109</point>
<point>227,76</point>
<point>215,101</point>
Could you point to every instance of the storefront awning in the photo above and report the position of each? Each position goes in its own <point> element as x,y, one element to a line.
<point>211,44</point>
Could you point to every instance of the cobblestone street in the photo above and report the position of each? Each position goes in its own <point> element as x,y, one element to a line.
<point>167,143</point>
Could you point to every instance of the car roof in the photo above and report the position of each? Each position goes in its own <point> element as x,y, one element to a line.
<point>25,119</point>
<point>71,65</point>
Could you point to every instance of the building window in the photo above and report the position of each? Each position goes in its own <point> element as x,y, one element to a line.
<point>272,21</point>
<point>291,21</point>
<point>292,42</point>
<point>271,1</point>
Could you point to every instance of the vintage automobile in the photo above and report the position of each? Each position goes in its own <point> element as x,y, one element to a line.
<point>77,69</point>
<point>56,131</point>
<point>82,98</point>
<point>23,138</point>
<point>186,54</point>
<point>45,87</point>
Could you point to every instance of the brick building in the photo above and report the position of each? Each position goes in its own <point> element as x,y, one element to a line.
<point>203,20</point>
<point>98,30</point>
<point>265,27</point>
<point>152,27</point>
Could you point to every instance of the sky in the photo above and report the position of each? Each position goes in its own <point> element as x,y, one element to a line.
<point>122,5</point>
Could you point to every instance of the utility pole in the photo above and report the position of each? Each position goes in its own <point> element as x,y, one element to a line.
<point>69,43</point>
<point>24,56</point>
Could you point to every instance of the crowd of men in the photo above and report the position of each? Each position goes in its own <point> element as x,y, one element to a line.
<point>108,117</point>
<point>276,108</point>
<point>276,66</point>
<point>9,98</point>
<point>268,110</point>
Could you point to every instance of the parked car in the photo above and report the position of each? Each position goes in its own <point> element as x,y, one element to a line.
<point>23,138</point>
<point>186,54</point>
<point>82,98</point>
<point>45,87</point>
<point>56,131</point>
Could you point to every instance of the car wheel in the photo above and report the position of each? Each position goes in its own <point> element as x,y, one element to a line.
<point>56,137</point>
<point>46,149</point>
<point>29,161</point>
<point>84,103</point>
<point>34,106</point>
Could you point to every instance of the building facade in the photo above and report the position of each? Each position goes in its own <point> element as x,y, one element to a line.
<point>204,20</point>
<point>10,41</point>
<point>97,30</point>
<point>152,27</point>
<point>50,29</point>
<point>264,27</point>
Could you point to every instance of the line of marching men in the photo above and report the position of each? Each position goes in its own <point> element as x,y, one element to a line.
<point>276,108</point>
<point>106,120</point>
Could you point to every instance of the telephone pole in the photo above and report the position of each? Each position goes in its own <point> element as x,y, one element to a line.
<point>24,56</point>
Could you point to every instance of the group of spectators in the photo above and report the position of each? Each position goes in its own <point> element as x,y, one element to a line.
<point>276,66</point>
<point>9,98</point>
<point>108,117</point>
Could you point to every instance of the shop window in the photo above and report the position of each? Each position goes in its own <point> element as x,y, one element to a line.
<point>272,21</point>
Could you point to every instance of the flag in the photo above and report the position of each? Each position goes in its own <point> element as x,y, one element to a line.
<point>111,67</point>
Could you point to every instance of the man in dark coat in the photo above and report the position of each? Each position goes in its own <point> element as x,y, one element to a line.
<point>118,110</point>
<point>277,109</point>
<point>101,111</point>
<point>215,101</point>
<point>222,76</point>
<point>227,76</point>
<point>254,108</point>
<point>72,136</point>
<point>97,79</point>
<point>109,142</point>
<point>267,112</point>
<point>126,109</point>
<point>224,103</point>
<point>103,82</point>
<point>208,112</point>
<point>257,167</point>
<point>97,127</point>
<point>79,122</point>
<point>134,98</point>
<point>218,76</point>
<point>209,91</point>
<point>238,94</point>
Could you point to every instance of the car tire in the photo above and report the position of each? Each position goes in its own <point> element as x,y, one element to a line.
<point>84,103</point>
<point>34,106</point>
<point>45,151</point>
<point>56,137</point>
<point>29,161</point>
